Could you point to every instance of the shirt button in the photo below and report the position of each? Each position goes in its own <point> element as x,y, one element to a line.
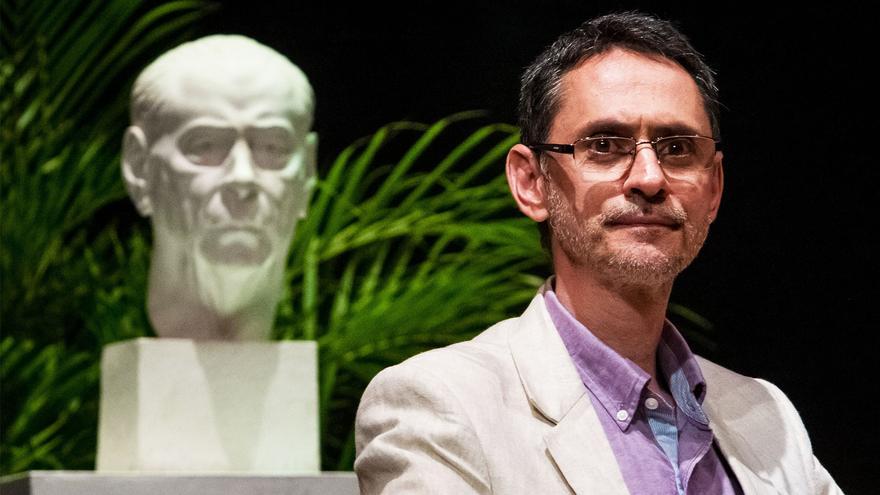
<point>651,403</point>
<point>622,415</point>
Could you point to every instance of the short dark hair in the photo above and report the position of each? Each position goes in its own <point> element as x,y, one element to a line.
<point>539,98</point>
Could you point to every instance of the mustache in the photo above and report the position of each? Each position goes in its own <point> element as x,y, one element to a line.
<point>671,213</point>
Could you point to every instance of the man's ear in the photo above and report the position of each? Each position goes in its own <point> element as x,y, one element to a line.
<point>527,182</point>
<point>309,173</point>
<point>134,169</point>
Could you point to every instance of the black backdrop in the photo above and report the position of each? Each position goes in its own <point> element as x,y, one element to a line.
<point>788,273</point>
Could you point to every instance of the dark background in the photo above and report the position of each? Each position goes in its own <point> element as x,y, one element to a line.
<point>787,276</point>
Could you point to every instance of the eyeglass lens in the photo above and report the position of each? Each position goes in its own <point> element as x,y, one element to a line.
<point>678,155</point>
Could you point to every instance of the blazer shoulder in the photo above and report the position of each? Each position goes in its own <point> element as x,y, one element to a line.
<point>728,391</point>
<point>464,365</point>
<point>716,372</point>
<point>415,428</point>
<point>725,385</point>
<point>758,426</point>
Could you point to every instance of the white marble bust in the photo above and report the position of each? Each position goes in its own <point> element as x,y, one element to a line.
<point>220,156</point>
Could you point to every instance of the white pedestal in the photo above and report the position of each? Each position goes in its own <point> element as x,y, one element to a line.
<point>177,405</point>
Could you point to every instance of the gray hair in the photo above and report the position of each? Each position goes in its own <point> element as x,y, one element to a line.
<point>540,83</point>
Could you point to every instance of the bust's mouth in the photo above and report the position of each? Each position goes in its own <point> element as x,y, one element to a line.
<point>236,245</point>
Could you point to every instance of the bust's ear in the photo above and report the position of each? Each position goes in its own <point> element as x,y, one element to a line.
<point>134,169</point>
<point>309,172</point>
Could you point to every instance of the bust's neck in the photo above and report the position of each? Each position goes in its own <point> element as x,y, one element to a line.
<point>192,298</point>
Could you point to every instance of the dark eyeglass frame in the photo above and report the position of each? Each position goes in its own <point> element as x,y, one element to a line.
<point>568,149</point>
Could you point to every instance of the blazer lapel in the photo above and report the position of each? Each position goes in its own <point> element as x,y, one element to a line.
<point>581,451</point>
<point>577,442</point>
<point>734,446</point>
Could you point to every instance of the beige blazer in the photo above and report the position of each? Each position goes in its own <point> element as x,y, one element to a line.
<point>507,413</point>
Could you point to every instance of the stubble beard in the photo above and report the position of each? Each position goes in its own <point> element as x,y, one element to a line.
<point>585,243</point>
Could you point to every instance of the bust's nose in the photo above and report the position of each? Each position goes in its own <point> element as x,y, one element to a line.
<point>240,200</point>
<point>240,194</point>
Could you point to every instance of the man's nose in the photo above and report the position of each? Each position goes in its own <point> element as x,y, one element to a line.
<point>646,176</point>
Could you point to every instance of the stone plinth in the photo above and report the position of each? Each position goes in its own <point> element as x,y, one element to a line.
<point>177,405</point>
<point>91,483</point>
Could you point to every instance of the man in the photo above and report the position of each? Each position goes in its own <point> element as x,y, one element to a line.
<point>220,155</point>
<point>591,390</point>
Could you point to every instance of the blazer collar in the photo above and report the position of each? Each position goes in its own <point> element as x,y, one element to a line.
<point>577,443</point>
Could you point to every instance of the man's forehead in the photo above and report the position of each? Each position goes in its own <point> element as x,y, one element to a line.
<point>627,87</point>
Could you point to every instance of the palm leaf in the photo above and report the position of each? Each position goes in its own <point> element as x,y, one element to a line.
<point>411,242</point>
<point>64,83</point>
<point>70,279</point>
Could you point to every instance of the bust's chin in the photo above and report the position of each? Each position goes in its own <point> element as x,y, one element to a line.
<point>218,300</point>
<point>235,273</point>
<point>221,283</point>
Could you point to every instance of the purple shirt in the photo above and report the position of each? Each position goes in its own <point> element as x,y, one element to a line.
<point>662,446</point>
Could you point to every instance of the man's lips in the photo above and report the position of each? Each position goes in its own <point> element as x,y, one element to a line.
<point>644,221</point>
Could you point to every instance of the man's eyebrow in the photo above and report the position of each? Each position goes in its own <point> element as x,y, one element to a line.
<point>619,128</point>
<point>605,126</point>
<point>676,130</point>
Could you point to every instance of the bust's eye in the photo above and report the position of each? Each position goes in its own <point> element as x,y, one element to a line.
<point>271,147</point>
<point>208,146</point>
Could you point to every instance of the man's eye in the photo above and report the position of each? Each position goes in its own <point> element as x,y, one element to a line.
<point>675,147</point>
<point>603,145</point>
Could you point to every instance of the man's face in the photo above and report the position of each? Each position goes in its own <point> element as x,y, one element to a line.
<point>227,167</point>
<point>641,227</point>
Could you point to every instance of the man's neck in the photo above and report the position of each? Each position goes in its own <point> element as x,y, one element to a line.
<point>627,319</point>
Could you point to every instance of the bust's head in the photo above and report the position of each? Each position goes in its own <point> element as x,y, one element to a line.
<point>221,157</point>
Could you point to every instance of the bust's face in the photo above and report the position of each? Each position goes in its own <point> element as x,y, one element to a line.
<point>228,171</point>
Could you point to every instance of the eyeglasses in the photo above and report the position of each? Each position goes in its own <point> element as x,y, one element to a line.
<point>681,157</point>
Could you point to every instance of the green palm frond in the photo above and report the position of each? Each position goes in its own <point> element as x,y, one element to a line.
<point>412,242</point>
<point>50,386</point>
<point>64,76</point>
<point>67,283</point>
